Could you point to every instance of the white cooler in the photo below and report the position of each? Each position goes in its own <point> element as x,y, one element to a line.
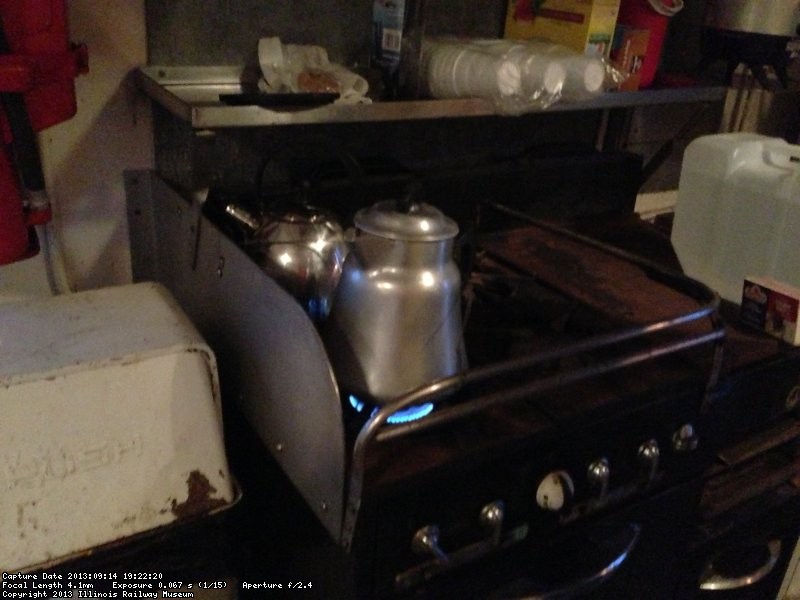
<point>110,423</point>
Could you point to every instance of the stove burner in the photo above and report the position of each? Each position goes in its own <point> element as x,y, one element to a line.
<point>411,413</point>
<point>357,404</point>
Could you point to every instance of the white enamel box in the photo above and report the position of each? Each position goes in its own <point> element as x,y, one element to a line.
<point>110,422</point>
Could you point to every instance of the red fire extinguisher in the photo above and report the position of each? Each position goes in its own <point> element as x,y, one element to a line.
<point>38,66</point>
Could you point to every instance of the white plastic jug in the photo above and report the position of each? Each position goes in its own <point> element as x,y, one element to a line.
<point>738,211</point>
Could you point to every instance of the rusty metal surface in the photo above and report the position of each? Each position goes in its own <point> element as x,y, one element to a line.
<point>622,290</point>
<point>743,345</point>
<point>201,497</point>
<point>118,550</point>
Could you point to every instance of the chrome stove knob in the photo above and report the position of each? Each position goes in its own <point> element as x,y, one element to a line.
<point>649,455</point>
<point>426,543</point>
<point>598,475</point>
<point>491,518</point>
<point>685,439</point>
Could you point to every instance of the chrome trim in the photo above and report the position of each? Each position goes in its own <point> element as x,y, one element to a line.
<point>712,581</point>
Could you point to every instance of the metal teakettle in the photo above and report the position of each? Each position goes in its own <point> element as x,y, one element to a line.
<point>395,323</point>
<point>302,247</point>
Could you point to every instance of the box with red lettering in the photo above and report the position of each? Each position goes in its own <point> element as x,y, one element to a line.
<point>771,306</point>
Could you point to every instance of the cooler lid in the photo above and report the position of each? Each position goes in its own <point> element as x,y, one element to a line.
<point>90,329</point>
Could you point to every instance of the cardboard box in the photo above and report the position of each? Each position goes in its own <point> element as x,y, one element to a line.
<point>771,306</point>
<point>586,26</point>
<point>627,55</point>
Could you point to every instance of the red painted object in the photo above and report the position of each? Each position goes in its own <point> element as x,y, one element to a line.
<point>38,66</point>
<point>38,37</point>
<point>653,15</point>
<point>13,222</point>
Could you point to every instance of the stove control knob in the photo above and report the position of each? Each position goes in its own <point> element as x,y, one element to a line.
<point>685,439</point>
<point>426,543</point>
<point>649,454</point>
<point>555,491</point>
<point>598,475</point>
<point>491,518</point>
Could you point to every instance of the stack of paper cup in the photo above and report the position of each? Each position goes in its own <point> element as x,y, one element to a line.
<point>585,77</point>
<point>541,77</point>
<point>456,70</point>
<point>440,61</point>
<point>479,74</point>
<point>516,75</point>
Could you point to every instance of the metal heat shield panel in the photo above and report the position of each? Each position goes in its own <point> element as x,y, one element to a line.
<point>272,361</point>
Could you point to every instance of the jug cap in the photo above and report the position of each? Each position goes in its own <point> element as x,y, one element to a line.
<point>414,222</point>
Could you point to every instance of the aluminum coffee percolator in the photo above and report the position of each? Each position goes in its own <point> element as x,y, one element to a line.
<point>395,322</point>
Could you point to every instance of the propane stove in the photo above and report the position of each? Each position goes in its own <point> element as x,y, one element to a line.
<point>580,428</point>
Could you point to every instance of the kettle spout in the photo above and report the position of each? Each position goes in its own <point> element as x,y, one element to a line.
<point>242,217</point>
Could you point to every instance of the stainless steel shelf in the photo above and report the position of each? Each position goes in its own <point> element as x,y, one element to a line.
<point>192,94</point>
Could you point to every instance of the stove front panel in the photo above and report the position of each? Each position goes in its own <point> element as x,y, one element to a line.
<point>512,500</point>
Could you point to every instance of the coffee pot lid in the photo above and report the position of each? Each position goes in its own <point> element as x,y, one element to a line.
<point>406,221</point>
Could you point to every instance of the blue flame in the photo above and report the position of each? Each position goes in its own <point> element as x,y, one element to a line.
<point>412,413</point>
<point>357,404</point>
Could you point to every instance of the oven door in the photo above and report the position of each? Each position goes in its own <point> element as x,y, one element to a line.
<point>647,568</point>
<point>629,553</point>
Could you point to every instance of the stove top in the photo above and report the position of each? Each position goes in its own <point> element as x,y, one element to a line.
<point>583,333</point>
